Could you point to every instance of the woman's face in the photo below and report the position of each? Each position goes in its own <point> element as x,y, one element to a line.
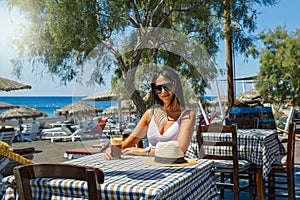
<point>164,89</point>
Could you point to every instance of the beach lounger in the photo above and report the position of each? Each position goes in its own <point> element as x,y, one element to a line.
<point>66,135</point>
<point>80,152</point>
<point>30,132</point>
<point>7,136</point>
<point>95,131</point>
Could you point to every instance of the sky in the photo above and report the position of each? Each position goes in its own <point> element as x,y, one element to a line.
<point>286,13</point>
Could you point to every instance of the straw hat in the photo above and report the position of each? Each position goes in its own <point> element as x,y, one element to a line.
<point>169,154</point>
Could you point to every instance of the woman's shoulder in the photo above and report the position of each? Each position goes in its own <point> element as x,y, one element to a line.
<point>188,113</point>
<point>149,114</point>
<point>154,110</point>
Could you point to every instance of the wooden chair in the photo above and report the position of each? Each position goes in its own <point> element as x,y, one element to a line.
<point>246,123</point>
<point>282,172</point>
<point>7,164</point>
<point>228,164</point>
<point>93,176</point>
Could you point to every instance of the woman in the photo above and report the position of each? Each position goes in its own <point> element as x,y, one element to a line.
<point>167,120</point>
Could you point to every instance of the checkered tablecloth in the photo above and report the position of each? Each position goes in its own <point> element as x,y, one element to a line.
<point>259,146</point>
<point>130,178</point>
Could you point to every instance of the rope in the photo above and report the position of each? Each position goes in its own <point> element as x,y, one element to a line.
<point>281,130</point>
<point>6,151</point>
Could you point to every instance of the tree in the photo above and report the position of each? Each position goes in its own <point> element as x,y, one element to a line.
<point>63,33</point>
<point>278,78</point>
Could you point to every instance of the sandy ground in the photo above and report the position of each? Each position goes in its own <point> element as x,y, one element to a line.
<point>45,151</point>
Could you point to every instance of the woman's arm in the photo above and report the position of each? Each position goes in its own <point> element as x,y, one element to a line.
<point>135,137</point>
<point>139,132</point>
<point>186,129</point>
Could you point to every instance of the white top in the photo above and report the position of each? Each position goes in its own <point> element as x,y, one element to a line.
<point>170,134</point>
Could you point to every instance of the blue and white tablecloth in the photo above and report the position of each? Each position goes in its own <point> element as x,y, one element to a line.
<point>130,178</point>
<point>259,146</point>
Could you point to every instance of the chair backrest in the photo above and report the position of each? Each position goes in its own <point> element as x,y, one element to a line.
<point>232,144</point>
<point>67,130</point>
<point>93,176</point>
<point>35,127</point>
<point>264,114</point>
<point>99,126</point>
<point>217,128</point>
<point>291,146</point>
<point>7,135</point>
<point>245,123</point>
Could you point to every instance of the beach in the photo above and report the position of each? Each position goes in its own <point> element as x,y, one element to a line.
<point>45,151</point>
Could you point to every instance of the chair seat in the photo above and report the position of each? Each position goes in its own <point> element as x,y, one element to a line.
<point>280,160</point>
<point>227,165</point>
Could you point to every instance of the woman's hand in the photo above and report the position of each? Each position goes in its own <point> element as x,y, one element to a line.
<point>107,155</point>
<point>128,151</point>
<point>134,151</point>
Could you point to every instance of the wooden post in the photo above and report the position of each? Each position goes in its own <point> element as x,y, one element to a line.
<point>228,48</point>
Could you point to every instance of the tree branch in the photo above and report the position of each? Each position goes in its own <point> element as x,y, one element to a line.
<point>137,14</point>
<point>116,53</point>
<point>161,3</point>
<point>133,22</point>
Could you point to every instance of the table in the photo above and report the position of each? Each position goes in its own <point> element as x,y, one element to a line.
<point>259,146</point>
<point>130,178</point>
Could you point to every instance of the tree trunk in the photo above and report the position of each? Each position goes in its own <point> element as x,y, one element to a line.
<point>129,78</point>
<point>228,48</point>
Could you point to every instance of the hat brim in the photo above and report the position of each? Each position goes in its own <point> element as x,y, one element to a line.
<point>150,161</point>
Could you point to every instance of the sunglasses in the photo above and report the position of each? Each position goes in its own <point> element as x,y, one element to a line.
<point>167,87</point>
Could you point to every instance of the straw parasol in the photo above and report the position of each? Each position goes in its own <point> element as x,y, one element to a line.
<point>127,106</point>
<point>105,96</point>
<point>215,101</point>
<point>22,112</point>
<point>8,85</point>
<point>4,105</point>
<point>78,108</point>
<point>102,96</point>
<point>250,98</point>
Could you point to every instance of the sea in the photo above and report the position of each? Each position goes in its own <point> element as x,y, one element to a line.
<point>48,104</point>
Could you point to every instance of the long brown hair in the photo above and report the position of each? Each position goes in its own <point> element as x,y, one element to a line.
<point>178,93</point>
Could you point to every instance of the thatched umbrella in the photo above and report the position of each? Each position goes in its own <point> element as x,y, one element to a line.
<point>215,101</point>
<point>78,108</point>
<point>4,105</point>
<point>22,112</point>
<point>105,96</point>
<point>127,106</point>
<point>8,85</point>
<point>102,96</point>
<point>250,98</point>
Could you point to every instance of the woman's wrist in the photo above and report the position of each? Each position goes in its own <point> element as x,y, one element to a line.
<point>147,151</point>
